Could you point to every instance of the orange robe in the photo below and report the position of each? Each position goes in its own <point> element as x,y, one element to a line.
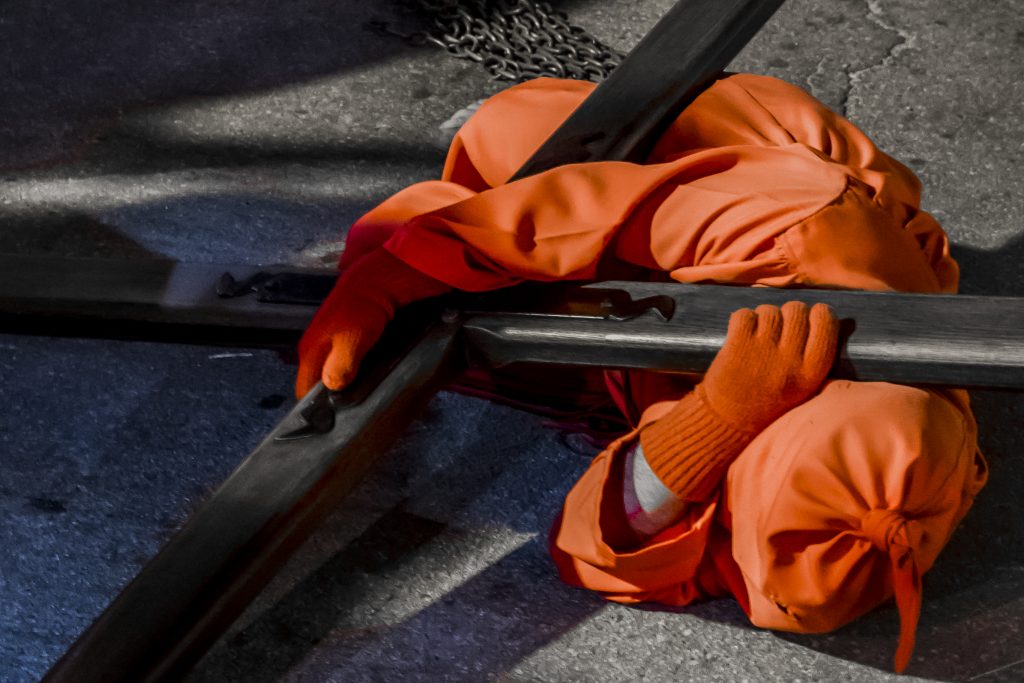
<point>836,506</point>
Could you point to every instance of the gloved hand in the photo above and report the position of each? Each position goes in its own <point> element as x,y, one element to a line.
<point>354,315</point>
<point>773,360</point>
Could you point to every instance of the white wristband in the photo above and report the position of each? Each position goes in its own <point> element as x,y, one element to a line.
<point>650,505</point>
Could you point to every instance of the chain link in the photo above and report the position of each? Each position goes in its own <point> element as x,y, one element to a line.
<point>515,40</point>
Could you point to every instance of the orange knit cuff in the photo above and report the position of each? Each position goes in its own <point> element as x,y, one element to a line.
<point>691,447</point>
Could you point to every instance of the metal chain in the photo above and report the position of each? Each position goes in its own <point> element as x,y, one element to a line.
<point>515,40</point>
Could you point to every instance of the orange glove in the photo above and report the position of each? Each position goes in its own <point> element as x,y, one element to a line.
<point>354,315</point>
<point>772,361</point>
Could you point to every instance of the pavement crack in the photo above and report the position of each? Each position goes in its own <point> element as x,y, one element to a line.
<point>844,98</point>
<point>830,83</point>
<point>907,40</point>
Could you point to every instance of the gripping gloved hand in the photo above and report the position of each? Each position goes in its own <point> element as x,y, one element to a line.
<point>354,315</point>
<point>773,360</point>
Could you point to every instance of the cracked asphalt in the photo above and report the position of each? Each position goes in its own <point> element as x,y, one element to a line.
<point>240,131</point>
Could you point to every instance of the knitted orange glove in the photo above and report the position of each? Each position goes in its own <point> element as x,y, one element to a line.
<point>773,360</point>
<point>354,315</point>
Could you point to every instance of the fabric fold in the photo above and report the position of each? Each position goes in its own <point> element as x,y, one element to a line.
<point>887,530</point>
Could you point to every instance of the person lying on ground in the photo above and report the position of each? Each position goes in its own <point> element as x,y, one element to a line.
<point>810,501</point>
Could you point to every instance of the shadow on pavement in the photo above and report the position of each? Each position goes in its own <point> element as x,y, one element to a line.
<point>73,66</point>
<point>485,625</point>
<point>143,154</point>
<point>992,272</point>
<point>232,226</point>
<point>68,232</point>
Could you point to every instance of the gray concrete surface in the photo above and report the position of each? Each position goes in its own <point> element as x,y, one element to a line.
<point>255,132</point>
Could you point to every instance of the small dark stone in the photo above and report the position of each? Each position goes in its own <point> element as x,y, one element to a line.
<point>778,62</point>
<point>47,504</point>
<point>272,401</point>
<point>240,639</point>
<point>421,93</point>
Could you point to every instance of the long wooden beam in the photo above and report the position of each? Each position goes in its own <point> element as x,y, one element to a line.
<point>969,341</point>
<point>152,299</point>
<point>961,341</point>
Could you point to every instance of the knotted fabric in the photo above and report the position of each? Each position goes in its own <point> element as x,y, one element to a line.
<point>855,508</point>
<point>888,531</point>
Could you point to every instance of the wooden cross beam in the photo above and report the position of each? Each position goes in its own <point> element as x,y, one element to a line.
<point>202,579</point>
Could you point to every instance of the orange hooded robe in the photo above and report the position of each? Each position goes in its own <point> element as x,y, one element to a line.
<point>838,505</point>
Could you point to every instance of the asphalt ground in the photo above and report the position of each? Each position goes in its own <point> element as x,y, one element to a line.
<point>253,132</point>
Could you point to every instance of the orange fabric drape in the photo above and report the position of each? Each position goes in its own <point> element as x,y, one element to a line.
<point>836,506</point>
<point>730,194</point>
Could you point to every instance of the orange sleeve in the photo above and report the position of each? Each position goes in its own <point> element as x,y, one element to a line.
<point>716,206</point>
<point>378,225</point>
<point>588,547</point>
<point>750,160</point>
<point>725,185</point>
<point>555,225</point>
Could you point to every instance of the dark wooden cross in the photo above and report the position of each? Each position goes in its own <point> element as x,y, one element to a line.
<point>203,578</point>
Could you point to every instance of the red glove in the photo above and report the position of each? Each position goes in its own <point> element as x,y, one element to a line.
<point>354,315</point>
<point>772,361</point>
